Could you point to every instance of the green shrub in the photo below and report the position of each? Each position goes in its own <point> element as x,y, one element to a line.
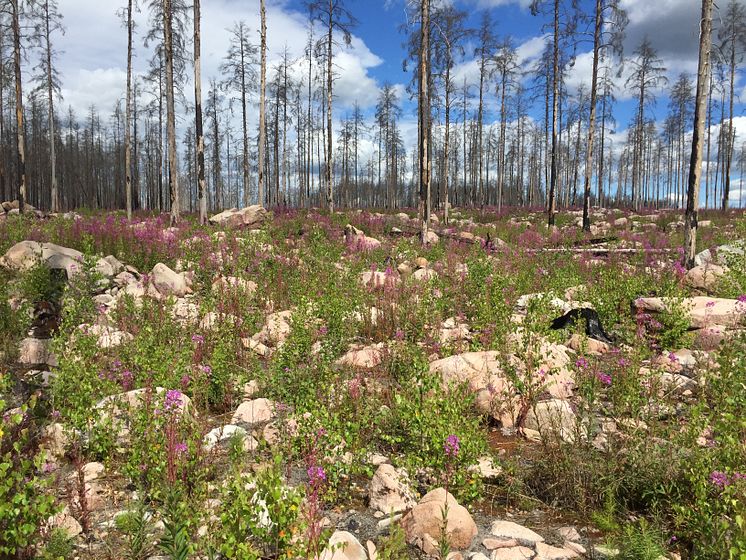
<point>24,503</point>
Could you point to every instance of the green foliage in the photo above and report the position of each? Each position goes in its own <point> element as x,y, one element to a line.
<point>175,542</point>
<point>394,545</point>
<point>11,321</point>
<point>710,504</point>
<point>640,541</point>
<point>136,528</point>
<point>58,547</point>
<point>420,418</point>
<point>24,503</point>
<point>258,514</point>
<point>41,283</point>
<point>675,323</point>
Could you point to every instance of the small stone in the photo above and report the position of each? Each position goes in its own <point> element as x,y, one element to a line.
<point>514,553</point>
<point>91,471</point>
<point>603,551</point>
<point>65,521</point>
<point>486,468</point>
<point>256,411</point>
<point>343,546</point>
<point>510,530</point>
<point>383,523</point>
<point>424,523</point>
<point>569,533</point>
<point>547,552</point>
<point>494,544</point>
<point>372,551</point>
<point>389,490</point>
<point>575,547</point>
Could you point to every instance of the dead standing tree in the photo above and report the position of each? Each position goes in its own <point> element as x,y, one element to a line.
<point>333,15</point>
<point>423,110</point>
<point>239,65</point>
<point>200,137</point>
<point>695,166</point>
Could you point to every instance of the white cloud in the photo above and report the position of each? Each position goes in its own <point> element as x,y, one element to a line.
<point>101,87</point>
<point>94,49</point>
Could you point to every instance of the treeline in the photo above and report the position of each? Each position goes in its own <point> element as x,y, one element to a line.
<point>516,136</point>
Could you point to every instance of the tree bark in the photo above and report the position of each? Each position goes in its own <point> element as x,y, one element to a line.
<point>262,100</point>
<point>54,198</point>
<point>200,137</point>
<point>245,160</point>
<point>592,118</point>
<point>21,143</point>
<point>329,156</point>
<point>555,101</point>
<point>424,118</point>
<point>731,136</point>
<point>128,118</point>
<point>173,175</point>
<point>695,166</point>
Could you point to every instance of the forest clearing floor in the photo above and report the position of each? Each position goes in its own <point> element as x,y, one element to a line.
<point>290,384</point>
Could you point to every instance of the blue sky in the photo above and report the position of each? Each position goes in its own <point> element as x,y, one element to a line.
<point>93,54</point>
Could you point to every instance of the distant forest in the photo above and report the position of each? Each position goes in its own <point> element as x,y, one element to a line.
<point>306,152</point>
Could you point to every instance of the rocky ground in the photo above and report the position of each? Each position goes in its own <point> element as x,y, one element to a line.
<point>511,390</point>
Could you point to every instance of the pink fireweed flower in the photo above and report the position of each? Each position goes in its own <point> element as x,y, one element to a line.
<point>173,399</point>
<point>180,448</point>
<point>581,363</point>
<point>673,357</point>
<point>623,362</point>
<point>353,387</point>
<point>316,474</point>
<point>741,298</point>
<point>128,380</point>
<point>604,378</point>
<point>719,479</point>
<point>452,445</point>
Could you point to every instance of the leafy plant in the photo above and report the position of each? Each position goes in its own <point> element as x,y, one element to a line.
<point>24,503</point>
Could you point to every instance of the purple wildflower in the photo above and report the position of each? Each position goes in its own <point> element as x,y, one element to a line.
<point>581,363</point>
<point>128,380</point>
<point>604,378</point>
<point>719,479</point>
<point>198,338</point>
<point>173,399</point>
<point>452,445</point>
<point>316,474</point>
<point>180,448</point>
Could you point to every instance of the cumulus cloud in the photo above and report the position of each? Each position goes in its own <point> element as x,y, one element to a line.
<point>94,49</point>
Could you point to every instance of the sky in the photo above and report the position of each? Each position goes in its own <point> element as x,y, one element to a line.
<point>92,57</point>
